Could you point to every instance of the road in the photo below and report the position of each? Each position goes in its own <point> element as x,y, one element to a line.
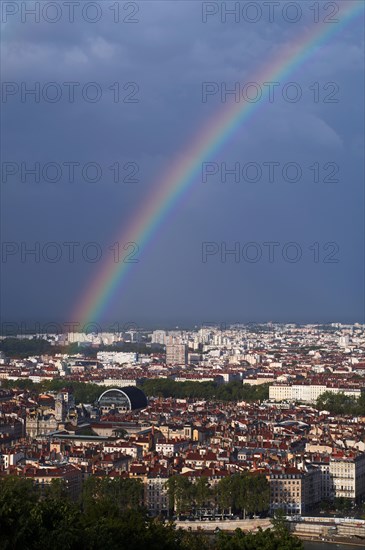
<point>226,525</point>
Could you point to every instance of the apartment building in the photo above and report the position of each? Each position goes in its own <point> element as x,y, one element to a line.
<point>322,463</point>
<point>176,354</point>
<point>307,393</point>
<point>43,476</point>
<point>280,392</point>
<point>348,476</point>
<point>156,494</point>
<point>293,490</point>
<point>169,447</point>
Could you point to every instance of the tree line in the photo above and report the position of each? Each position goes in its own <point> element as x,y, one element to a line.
<point>238,493</point>
<point>339,403</point>
<point>24,347</point>
<point>85,392</point>
<point>232,391</point>
<point>108,515</point>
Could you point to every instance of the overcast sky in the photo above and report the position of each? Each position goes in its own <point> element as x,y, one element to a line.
<point>162,53</point>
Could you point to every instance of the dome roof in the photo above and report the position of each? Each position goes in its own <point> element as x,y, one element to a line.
<point>115,396</point>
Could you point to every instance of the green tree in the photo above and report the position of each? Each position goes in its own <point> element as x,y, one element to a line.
<point>342,504</point>
<point>104,496</point>
<point>233,391</point>
<point>279,522</point>
<point>180,494</point>
<point>17,497</point>
<point>56,524</point>
<point>224,494</point>
<point>338,403</point>
<point>109,516</point>
<point>261,540</point>
<point>201,492</point>
<point>247,493</point>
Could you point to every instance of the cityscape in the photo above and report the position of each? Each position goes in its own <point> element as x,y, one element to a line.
<point>188,414</point>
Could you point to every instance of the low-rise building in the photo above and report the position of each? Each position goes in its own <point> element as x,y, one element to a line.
<point>307,393</point>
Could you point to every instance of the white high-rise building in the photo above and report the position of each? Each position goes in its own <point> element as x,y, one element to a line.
<point>158,337</point>
<point>176,354</point>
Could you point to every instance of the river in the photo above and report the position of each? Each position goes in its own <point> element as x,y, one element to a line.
<point>328,546</point>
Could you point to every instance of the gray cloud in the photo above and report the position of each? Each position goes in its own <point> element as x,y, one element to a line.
<point>169,53</point>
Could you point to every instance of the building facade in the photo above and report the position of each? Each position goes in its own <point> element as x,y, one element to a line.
<point>306,392</point>
<point>176,354</point>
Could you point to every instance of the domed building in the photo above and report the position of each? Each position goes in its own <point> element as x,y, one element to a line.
<point>129,398</point>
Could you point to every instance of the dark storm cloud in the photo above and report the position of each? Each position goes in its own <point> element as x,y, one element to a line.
<point>169,53</point>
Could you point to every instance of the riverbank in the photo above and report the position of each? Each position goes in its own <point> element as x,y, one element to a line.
<point>330,545</point>
<point>316,536</point>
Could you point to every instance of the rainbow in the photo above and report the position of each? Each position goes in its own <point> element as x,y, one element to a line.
<point>181,175</point>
